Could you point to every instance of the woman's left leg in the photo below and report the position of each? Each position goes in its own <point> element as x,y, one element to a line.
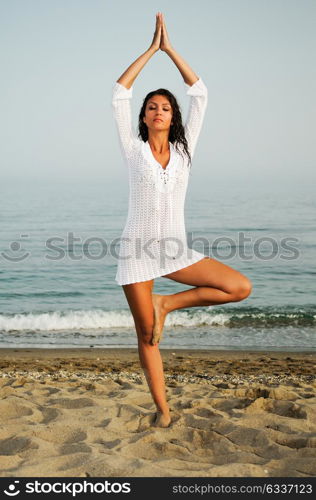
<point>215,283</point>
<point>139,298</point>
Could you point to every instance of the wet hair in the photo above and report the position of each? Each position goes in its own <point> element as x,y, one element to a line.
<point>176,132</point>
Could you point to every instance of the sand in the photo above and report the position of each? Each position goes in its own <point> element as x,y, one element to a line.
<point>89,413</point>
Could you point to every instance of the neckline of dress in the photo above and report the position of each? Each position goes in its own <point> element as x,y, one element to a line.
<point>156,161</point>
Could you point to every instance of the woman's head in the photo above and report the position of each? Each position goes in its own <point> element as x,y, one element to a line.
<point>161,104</point>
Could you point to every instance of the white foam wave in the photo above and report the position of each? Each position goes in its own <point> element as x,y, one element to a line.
<point>94,319</point>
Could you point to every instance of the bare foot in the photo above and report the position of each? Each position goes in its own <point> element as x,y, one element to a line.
<point>162,419</point>
<point>159,317</point>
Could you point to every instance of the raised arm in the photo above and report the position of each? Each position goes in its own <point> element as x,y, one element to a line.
<point>122,94</point>
<point>187,73</point>
<point>195,88</point>
<point>129,75</point>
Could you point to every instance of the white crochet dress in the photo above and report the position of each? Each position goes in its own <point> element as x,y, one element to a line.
<point>153,242</point>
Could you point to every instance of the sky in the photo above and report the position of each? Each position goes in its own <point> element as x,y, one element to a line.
<point>60,59</point>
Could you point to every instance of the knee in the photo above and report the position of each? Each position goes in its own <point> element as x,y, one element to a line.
<point>145,332</point>
<point>242,290</point>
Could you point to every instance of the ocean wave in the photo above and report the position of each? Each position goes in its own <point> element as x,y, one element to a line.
<point>215,316</point>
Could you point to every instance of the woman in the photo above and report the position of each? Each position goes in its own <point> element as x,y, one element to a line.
<point>154,242</point>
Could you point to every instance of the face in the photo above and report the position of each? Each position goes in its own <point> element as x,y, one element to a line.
<point>158,113</point>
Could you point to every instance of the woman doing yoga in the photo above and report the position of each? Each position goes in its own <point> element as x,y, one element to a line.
<point>153,242</point>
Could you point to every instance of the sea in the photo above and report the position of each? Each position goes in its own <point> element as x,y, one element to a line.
<point>58,258</point>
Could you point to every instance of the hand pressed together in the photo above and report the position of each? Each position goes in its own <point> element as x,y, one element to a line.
<point>164,40</point>
<point>160,39</point>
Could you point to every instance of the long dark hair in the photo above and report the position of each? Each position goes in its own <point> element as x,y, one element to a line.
<point>176,133</point>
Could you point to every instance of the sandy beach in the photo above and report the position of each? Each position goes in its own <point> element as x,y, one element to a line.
<point>89,413</point>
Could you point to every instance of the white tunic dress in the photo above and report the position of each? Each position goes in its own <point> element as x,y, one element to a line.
<point>153,242</point>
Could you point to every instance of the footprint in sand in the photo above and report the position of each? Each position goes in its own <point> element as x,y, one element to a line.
<point>175,391</point>
<point>125,385</point>
<point>14,445</point>
<point>221,385</point>
<point>104,422</point>
<point>146,406</point>
<point>60,434</point>
<point>182,404</point>
<point>72,404</point>
<point>307,395</point>
<point>49,414</point>
<point>127,411</point>
<point>250,392</point>
<point>204,412</point>
<point>197,422</point>
<point>294,442</point>
<point>249,437</point>
<point>227,405</point>
<point>12,409</point>
<point>50,390</point>
<point>109,444</point>
<point>117,394</point>
<point>284,409</point>
<point>68,449</point>
<point>285,429</point>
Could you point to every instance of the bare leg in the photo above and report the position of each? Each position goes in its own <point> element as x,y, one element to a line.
<point>215,283</point>
<point>140,301</point>
<point>151,362</point>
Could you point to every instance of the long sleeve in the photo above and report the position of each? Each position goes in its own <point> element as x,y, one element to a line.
<point>198,103</point>
<point>121,106</point>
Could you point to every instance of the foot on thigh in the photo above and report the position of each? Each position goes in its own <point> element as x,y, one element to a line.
<point>159,317</point>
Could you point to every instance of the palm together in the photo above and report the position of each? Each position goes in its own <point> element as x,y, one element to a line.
<point>161,39</point>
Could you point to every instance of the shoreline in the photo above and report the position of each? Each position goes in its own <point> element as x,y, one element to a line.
<point>134,349</point>
<point>267,366</point>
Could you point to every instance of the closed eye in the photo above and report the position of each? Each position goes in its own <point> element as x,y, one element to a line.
<point>165,109</point>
